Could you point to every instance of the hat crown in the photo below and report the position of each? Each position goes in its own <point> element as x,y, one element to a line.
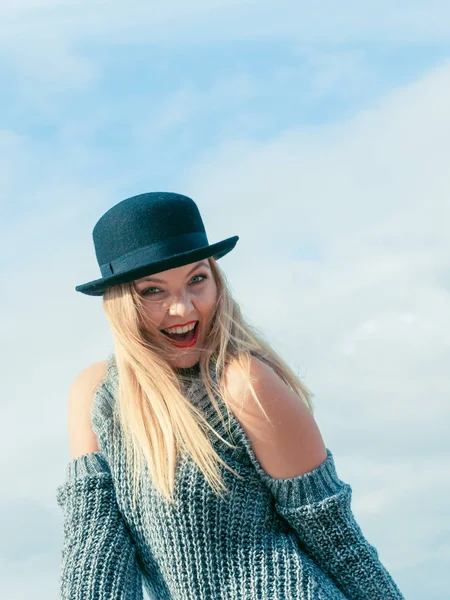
<point>150,233</point>
<point>144,220</point>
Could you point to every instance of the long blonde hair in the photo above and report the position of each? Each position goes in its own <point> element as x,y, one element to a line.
<point>152,411</point>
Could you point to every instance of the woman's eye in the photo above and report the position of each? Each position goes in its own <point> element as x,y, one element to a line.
<point>204,277</point>
<point>146,292</point>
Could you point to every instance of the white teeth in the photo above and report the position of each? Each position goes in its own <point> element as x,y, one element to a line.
<point>181,329</point>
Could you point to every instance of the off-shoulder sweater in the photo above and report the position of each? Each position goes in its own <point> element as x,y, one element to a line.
<point>267,539</point>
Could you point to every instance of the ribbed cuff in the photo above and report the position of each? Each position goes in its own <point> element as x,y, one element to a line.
<point>309,488</point>
<point>87,464</point>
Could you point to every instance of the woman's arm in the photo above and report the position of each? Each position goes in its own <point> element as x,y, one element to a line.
<point>293,462</point>
<point>98,554</point>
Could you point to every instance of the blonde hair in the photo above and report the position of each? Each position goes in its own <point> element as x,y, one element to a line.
<point>156,418</point>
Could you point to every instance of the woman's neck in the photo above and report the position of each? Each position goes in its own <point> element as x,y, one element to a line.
<point>186,371</point>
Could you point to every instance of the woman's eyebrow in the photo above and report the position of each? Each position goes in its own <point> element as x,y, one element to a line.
<point>151,278</point>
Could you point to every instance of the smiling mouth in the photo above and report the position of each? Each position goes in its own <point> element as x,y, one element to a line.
<point>183,339</point>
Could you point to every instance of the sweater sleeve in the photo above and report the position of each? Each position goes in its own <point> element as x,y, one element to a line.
<point>98,555</point>
<point>317,505</point>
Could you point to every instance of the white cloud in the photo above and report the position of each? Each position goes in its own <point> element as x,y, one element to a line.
<point>188,102</point>
<point>231,20</point>
<point>44,39</point>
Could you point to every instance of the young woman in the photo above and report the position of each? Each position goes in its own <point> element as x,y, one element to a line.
<point>197,468</point>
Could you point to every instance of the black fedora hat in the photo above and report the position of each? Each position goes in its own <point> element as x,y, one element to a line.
<point>149,233</point>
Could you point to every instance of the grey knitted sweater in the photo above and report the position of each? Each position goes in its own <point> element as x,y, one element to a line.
<point>269,539</point>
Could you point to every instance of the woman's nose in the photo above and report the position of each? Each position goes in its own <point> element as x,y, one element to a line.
<point>180,307</point>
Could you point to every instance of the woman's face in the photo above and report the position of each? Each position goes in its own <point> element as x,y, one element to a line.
<point>180,296</point>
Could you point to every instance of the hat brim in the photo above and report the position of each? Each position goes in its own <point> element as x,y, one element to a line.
<point>217,251</point>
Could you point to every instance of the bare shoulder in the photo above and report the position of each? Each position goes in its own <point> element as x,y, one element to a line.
<point>236,384</point>
<point>291,444</point>
<point>269,387</point>
<point>90,377</point>
<point>81,395</point>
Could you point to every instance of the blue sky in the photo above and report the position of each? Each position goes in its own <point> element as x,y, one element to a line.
<point>322,140</point>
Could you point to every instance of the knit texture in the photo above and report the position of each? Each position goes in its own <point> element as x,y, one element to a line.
<point>267,539</point>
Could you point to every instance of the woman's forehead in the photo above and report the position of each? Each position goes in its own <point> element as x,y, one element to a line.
<point>173,273</point>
